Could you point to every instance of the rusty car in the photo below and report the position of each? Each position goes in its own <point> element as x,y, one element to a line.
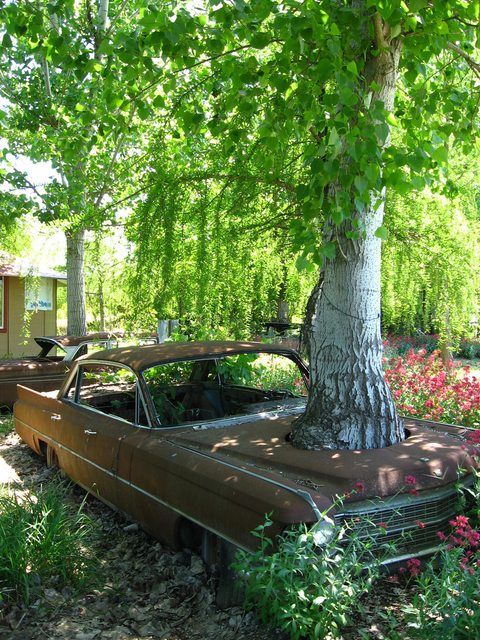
<point>191,440</point>
<point>46,370</point>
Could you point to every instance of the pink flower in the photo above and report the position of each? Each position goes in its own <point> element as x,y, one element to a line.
<point>360,487</point>
<point>414,566</point>
<point>459,521</point>
<point>420,524</point>
<point>410,480</point>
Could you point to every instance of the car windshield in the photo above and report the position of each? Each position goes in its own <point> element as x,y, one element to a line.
<point>217,388</point>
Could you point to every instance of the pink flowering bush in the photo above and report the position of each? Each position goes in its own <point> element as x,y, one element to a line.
<point>446,596</point>
<point>422,387</point>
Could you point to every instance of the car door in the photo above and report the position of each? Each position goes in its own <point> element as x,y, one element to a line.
<point>98,414</point>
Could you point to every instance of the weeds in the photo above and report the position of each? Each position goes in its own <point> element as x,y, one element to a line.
<point>311,582</point>
<point>43,540</point>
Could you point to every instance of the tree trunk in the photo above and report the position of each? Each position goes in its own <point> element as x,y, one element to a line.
<point>76,313</point>
<point>308,320</point>
<point>349,404</point>
<point>101,304</point>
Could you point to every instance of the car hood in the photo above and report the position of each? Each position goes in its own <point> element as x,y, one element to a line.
<point>430,453</point>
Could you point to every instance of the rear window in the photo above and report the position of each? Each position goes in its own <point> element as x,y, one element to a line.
<point>217,388</point>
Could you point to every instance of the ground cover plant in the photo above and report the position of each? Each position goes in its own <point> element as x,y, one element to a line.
<point>321,583</point>
<point>43,541</point>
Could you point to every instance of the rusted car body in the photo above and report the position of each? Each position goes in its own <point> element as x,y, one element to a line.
<point>44,371</point>
<point>192,441</point>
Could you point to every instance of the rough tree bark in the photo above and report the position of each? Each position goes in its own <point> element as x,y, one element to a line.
<point>350,405</point>
<point>76,323</point>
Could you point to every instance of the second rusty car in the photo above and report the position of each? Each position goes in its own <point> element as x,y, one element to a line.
<point>192,441</point>
<point>46,370</point>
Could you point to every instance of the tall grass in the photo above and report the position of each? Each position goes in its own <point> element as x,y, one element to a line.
<point>43,541</point>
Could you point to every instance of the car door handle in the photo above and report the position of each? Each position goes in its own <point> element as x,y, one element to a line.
<point>88,432</point>
<point>55,416</point>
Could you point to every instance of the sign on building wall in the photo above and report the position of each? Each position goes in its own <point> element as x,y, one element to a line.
<point>39,295</point>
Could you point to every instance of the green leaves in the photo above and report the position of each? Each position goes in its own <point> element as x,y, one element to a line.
<point>382,233</point>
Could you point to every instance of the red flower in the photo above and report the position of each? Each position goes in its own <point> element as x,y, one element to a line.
<point>420,524</point>
<point>410,480</point>
<point>360,487</point>
<point>414,566</point>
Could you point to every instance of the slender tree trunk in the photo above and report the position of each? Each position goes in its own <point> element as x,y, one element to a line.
<point>102,24</point>
<point>101,305</point>
<point>76,313</point>
<point>350,405</point>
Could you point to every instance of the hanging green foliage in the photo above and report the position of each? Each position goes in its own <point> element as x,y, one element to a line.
<point>212,248</point>
<point>431,263</point>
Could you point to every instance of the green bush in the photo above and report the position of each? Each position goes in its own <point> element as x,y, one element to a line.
<point>310,582</point>
<point>468,349</point>
<point>43,540</point>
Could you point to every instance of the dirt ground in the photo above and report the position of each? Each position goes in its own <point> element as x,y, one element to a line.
<point>146,591</point>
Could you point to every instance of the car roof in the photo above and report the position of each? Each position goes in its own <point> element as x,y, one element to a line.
<point>145,356</point>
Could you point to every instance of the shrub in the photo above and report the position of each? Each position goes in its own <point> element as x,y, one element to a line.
<point>422,387</point>
<point>468,349</point>
<point>43,541</point>
<point>310,583</point>
<point>400,345</point>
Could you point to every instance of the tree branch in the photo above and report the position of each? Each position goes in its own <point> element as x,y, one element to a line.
<point>116,151</point>
<point>473,64</point>
<point>192,66</point>
<point>378,30</point>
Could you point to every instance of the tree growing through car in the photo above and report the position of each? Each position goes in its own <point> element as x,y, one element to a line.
<point>329,81</point>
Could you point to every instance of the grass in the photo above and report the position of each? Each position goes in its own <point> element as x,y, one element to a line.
<point>43,541</point>
<point>6,424</point>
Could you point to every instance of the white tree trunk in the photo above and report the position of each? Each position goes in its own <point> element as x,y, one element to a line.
<point>102,17</point>
<point>350,405</point>
<point>76,312</point>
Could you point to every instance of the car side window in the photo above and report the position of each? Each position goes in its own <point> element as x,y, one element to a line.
<point>109,389</point>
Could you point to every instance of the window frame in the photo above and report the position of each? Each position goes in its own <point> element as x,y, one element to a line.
<point>74,381</point>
